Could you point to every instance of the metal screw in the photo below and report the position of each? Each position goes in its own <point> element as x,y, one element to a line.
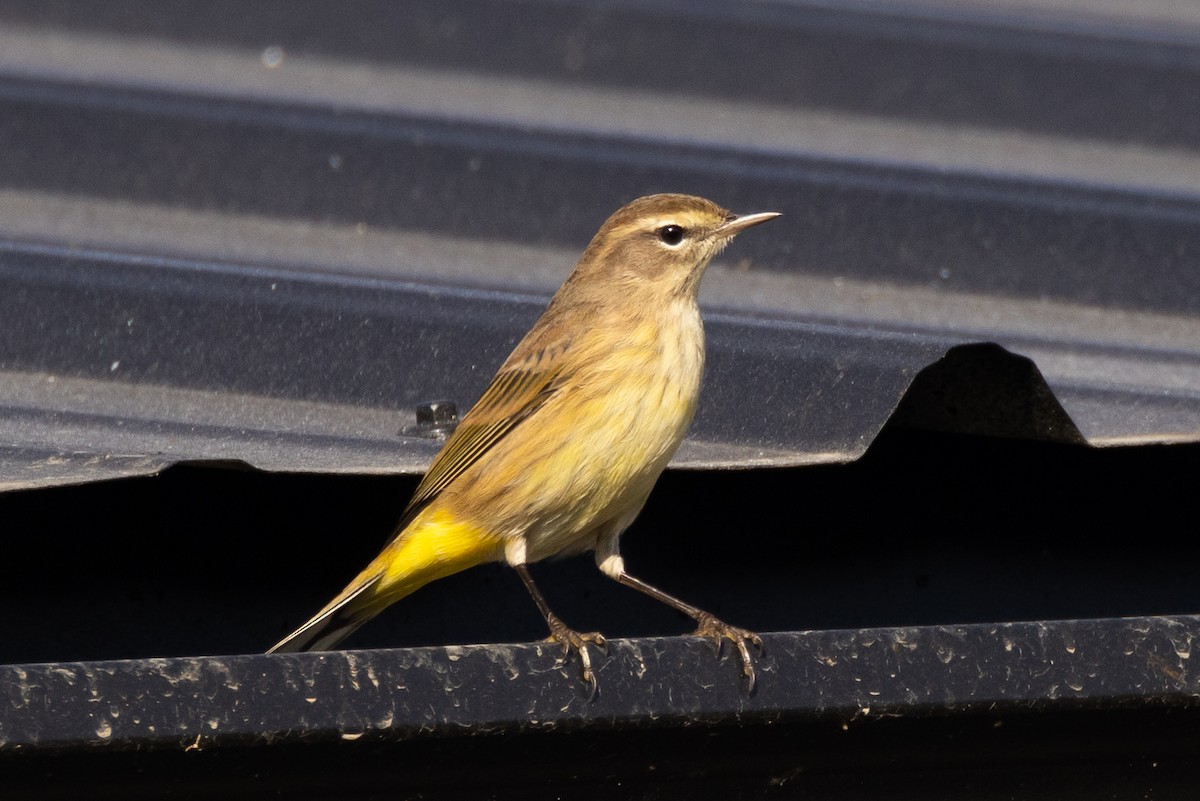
<point>436,418</point>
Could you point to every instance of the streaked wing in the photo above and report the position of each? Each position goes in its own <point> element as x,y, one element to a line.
<point>516,392</point>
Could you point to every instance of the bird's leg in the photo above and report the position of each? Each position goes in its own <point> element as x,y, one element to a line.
<point>707,624</point>
<point>560,632</point>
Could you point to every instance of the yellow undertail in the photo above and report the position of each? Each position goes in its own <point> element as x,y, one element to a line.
<point>433,546</point>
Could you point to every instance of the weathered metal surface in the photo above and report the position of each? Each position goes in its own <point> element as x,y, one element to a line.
<point>207,702</point>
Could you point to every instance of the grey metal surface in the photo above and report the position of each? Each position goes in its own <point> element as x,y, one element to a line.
<point>365,696</point>
<point>262,233</point>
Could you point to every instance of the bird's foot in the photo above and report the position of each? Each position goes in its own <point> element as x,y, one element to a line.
<point>719,632</point>
<point>576,641</point>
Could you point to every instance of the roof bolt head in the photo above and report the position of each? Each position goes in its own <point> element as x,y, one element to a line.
<point>436,418</point>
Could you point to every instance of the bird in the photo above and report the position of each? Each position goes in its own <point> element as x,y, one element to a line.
<point>561,451</point>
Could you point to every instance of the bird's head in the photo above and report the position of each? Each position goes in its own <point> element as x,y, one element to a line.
<point>662,243</point>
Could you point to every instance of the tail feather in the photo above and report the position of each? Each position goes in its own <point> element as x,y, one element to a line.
<point>334,623</point>
<point>428,549</point>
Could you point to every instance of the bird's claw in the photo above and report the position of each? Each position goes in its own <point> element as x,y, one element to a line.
<point>720,632</point>
<point>576,641</point>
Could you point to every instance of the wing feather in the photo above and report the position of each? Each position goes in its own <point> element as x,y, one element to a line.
<point>514,395</point>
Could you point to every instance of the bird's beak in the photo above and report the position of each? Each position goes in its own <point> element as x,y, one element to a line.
<point>742,222</point>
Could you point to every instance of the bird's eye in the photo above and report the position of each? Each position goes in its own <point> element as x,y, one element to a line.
<point>671,234</point>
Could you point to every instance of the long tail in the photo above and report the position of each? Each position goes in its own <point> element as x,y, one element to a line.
<point>432,547</point>
<point>337,621</point>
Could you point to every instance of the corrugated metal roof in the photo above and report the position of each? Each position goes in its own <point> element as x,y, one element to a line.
<point>262,233</point>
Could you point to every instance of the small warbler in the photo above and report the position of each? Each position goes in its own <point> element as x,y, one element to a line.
<point>561,452</point>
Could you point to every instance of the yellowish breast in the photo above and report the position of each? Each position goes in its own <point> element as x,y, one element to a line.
<point>618,431</point>
<point>595,448</point>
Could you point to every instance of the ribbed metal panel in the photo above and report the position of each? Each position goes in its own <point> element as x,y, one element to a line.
<point>344,212</point>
